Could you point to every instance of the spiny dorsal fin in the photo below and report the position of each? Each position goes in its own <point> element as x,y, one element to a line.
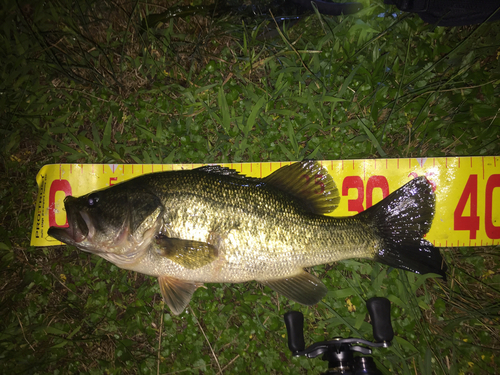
<point>310,182</point>
<point>223,171</point>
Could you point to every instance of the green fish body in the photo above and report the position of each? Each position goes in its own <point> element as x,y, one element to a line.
<point>211,225</point>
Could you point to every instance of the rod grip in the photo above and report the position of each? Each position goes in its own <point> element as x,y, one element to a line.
<point>294,321</point>
<point>379,309</point>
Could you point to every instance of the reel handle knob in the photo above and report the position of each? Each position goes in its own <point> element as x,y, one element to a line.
<point>294,321</point>
<point>379,309</point>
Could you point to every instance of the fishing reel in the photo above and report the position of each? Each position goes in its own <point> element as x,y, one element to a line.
<point>339,352</point>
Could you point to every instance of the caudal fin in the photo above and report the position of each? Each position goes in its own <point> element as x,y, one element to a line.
<point>402,219</point>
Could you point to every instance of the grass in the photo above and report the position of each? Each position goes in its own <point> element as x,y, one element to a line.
<point>86,83</point>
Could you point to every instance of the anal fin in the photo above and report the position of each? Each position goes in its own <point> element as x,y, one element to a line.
<point>176,293</point>
<point>303,288</point>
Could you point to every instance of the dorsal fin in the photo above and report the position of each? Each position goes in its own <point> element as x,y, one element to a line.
<point>223,171</point>
<point>310,182</point>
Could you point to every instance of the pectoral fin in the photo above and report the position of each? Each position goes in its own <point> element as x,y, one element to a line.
<point>303,288</point>
<point>176,293</point>
<point>189,254</point>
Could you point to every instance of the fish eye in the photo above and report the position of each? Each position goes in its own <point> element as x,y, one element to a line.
<point>93,199</point>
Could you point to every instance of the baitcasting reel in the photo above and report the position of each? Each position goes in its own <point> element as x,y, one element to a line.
<point>339,352</point>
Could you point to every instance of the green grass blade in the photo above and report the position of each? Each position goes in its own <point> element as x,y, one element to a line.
<point>106,137</point>
<point>373,139</point>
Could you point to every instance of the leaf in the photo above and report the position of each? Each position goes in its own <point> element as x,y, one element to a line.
<point>407,345</point>
<point>253,115</point>
<point>4,246</point>
<point>347,123</point>
<point>106,137</point>
<point>420,280</point>
<point>312,107</point>
<point>292,138</point>
<point>249,297</point>
<point>439,307</point>
<point>379,278</point>
<point>55,331</point>
<point>61,119</point>
<point>423,305</point>
<point>397,301</point>
<point>60,345</point>
<point>149,135</point>
<point>346,321</point>
<point>348,80</point>
<point>313,154</point>
<point>68,149</point>
<point>373,139</point>
<point>288,154</point>
<point>96,144</point>
<point>200,365</point>
<point>226,120</point>
<point>145,158</point>
<point>360,319</point>
<point>74,332</point>
<point>342,293</point>
<point>326,98</point>
<point>201,90</point>
<point>84,141</point>
<point>136,159</point>
<point>426,364</point>
<point>283,112</point>
<point>170,157</point>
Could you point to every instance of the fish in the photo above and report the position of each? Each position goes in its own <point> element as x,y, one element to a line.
<point>214,225</point>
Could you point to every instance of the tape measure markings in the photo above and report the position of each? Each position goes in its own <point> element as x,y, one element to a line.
<point>465,216</point>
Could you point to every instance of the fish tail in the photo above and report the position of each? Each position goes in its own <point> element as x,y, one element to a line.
<point>401,220</point>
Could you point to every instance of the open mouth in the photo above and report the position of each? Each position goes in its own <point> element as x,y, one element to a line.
<point>77,230</point>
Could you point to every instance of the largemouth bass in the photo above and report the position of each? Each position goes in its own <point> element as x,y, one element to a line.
<point>212,225</point>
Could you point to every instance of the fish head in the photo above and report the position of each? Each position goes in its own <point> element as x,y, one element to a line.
<point>117,223</point>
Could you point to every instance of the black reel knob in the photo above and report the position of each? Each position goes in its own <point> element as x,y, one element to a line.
<point>379,309</point>
<point>294,321</point>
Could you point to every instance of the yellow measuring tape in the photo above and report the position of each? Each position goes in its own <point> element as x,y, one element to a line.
<point>467,191</point>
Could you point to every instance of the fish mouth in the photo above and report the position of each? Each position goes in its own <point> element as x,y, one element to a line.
<point>77,230</point>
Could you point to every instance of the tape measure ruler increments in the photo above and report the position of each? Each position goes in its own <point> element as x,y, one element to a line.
<point>467,191</point>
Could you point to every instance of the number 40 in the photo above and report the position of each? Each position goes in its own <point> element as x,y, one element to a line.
<point>471,222</point>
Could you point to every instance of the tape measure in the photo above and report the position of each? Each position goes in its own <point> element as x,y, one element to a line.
<point>467,191</point>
